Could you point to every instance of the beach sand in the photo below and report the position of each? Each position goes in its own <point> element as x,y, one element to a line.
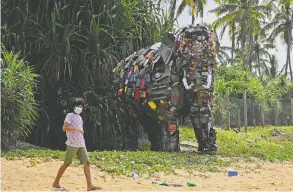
<point>20,175</point>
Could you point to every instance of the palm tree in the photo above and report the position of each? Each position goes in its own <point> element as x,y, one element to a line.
<point>246,17</point>
<point>237,57</point>
<point>281,26</point>
<point>260,53</point>
<point>271,67</point>
<point>172,7</point>
<point>223,55</point>
<point>197,7</point>
<point>231,25</point>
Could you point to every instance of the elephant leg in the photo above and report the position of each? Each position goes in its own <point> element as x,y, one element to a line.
<point>212,136</point>
<point>163,135</point>
<point>204,131</point>
<point>169,137</point>
<point>152,129</point>
<point>131,134</point>
<point>199,132</point>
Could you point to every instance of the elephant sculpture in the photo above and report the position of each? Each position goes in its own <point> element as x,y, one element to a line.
<point>159,84</point>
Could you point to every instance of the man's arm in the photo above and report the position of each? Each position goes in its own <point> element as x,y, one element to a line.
<point>67,128</point>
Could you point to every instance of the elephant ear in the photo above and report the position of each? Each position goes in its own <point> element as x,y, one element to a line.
<point>169,39</point>
<point>167,47</point>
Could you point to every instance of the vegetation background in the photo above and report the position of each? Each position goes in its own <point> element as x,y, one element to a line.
<point>53,51</point>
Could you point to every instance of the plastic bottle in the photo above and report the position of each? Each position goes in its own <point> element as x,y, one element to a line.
<point>134,175</point>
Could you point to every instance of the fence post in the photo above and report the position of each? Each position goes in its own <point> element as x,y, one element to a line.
<point>276,112</point>
<point>291,111</point>
<point>228,109</point>
<point>262,111</point>
<point>239,118</point>
<point>245,111</point>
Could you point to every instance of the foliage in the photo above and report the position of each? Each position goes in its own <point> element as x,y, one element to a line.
<point>244,20</point>
<point>74,45</point>
<point>256,25</point>
<point>237,80</point>
<point>281,25</point>
<point>196,7</point>
<point>18,106</point>
<point>223,56</point>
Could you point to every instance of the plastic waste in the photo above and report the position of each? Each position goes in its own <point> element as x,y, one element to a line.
<point>160,183</point>
<point>175,185</point>
<point>134,175</point>
<point>190,184</point>
<point>165,184</point>
<point>232,173</point>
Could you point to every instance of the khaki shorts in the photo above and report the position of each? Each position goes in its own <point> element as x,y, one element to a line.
<point>71,152</point>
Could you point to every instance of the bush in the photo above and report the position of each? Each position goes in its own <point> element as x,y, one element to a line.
<point>18,109</point>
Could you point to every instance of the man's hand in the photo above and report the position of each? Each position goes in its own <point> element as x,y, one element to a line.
<point>81,131</point>
<point>67,128</point>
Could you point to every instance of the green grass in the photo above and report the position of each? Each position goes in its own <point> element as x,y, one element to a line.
<point>257,142</point>
<point>124,162</point>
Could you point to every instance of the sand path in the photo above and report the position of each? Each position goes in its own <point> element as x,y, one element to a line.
<point>18,175</point>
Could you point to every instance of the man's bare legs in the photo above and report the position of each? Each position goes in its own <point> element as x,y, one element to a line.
<point>87,173</point>
<point>59,175</point>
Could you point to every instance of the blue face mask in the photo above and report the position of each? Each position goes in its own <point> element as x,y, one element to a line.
<point>77,110</point>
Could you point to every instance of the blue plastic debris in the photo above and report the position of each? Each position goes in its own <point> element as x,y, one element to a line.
<point>232,173</point>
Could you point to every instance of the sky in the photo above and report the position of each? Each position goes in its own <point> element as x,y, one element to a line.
<point>185,19</point>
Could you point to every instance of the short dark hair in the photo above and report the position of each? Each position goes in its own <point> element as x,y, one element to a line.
<point>76,102</point>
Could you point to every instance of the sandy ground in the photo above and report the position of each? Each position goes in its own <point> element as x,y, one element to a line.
<point>18,175</point>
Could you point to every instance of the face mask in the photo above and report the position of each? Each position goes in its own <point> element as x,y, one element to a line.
<point>77,110</point>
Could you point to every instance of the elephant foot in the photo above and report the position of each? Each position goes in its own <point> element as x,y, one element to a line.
<point>208,148</point>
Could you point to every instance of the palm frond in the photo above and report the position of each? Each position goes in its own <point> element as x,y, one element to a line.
<point>181,8</point>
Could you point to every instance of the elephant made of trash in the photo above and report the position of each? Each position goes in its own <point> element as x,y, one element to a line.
<point>157,85</point>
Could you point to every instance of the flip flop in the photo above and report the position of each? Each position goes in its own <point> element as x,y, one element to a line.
<point>94,189</point>
<point>60,189</point>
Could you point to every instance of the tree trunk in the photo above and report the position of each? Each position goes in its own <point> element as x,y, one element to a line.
<point>245,110</point>
<point>243,41</point>
<point>243,50</point>
<point>259,68</point>
<point>290,67</point>
<point>288,59</point>
<point>250,50</point>
<point>290,41</point>
<point>173,8</point>
<point>257,52</point>
<point>233,40</point>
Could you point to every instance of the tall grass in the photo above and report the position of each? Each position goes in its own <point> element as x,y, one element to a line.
<point>18,106</point>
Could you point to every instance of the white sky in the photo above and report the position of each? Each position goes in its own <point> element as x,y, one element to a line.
<point>185,19</point>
